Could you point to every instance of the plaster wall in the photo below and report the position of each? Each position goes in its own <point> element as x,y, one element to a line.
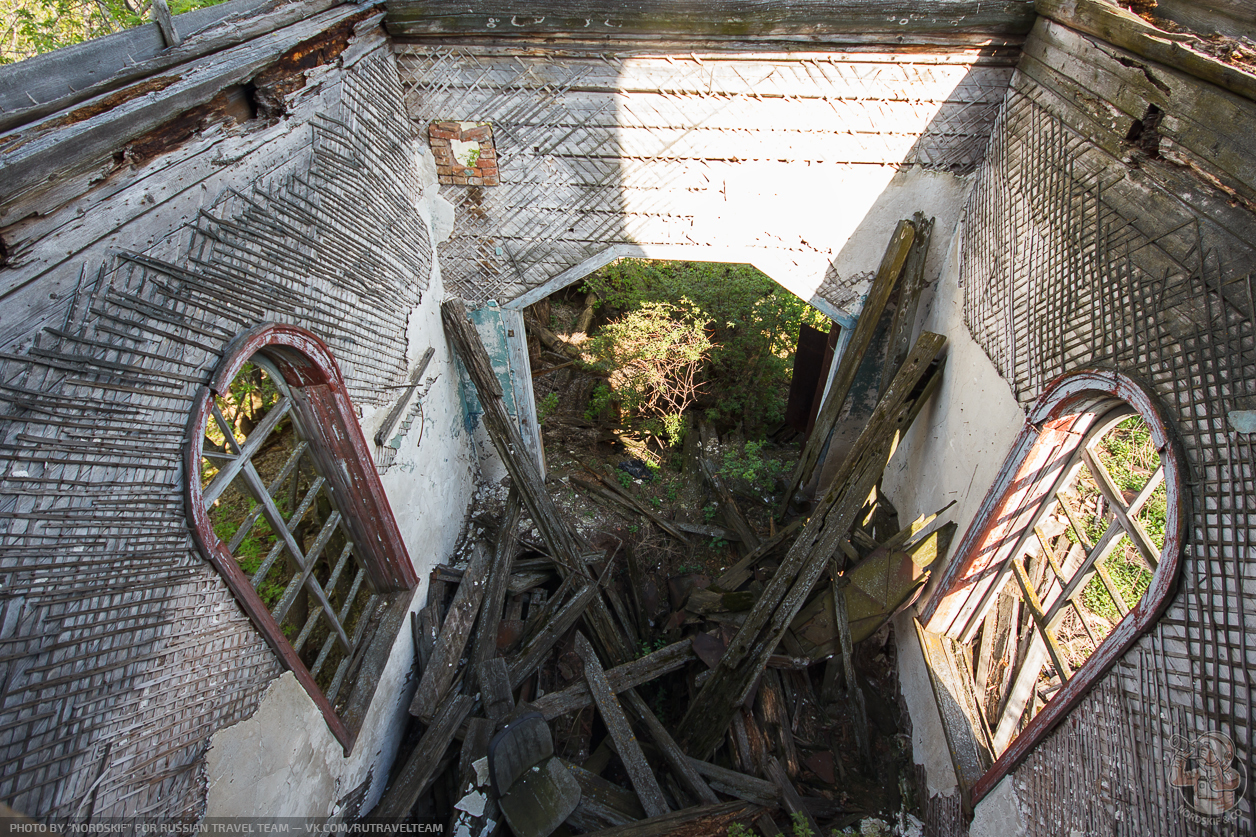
<point>952,452</point>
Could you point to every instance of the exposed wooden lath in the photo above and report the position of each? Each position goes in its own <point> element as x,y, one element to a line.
<point>598,150</point>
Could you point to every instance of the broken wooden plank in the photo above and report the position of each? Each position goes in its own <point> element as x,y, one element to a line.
<point>626,502</point>
<point>749,788</point>
<point>1124,29</point>
<point>443,665</point>
<point>671,751</point>
<point>534,653</point>
<point>496,693</point>
<point>910,288</point>
<point>703,821</point>
<point>733,515</point>
<point>879,294</point>
<point>603,804</point>
<point>639,770</point>
<point>853,691</point>
<point>789,794</point>
<point>420,768</point>
<point>712,709</point>
<point>739,573</point>
<point>560,538</point>
<point>626,676</point>
<point>484,641</point>
<point>384,434</point>
<point>770,703</point>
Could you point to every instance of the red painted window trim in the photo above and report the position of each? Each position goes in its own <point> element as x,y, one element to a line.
<point>343,457</point>
<point>1055,426</point>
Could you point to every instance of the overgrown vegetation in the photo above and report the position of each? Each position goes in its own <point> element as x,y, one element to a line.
<point>32,27</point>
<point>1130,457</point>
<point>688,337</point>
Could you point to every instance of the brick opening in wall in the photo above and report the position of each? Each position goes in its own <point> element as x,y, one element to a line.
<point>465,153</point>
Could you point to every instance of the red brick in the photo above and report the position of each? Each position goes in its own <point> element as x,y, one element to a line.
<point>448,126</point>
<point>490,181</point>
<point>437,142</point>
<point>488,169</point>
<point>445,179</point>
<point>445,159</point>
<point>487,153</point>
<point>475,181</point>
<point>435,133</point>
<point>479,133</point>
<point>466,172</point>
<point>459,180</point>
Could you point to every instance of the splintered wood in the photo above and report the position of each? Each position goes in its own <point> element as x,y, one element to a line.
<point>553,675</point>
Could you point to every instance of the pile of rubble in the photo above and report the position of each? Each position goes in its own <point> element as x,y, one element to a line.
<point>554,695</point>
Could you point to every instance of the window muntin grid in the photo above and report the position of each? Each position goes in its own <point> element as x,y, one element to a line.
<point>326,551</point>
<point>1057,442</point>
<point>308,577</point>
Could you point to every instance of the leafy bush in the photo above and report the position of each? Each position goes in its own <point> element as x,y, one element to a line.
<point>751,322</point>
<point>749,467</point>
<point>654,356</point>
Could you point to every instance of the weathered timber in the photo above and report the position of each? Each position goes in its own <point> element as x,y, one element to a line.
<point>739,573</point>
<point>384,434</point>
<point>443,665</point>
<point>712,709</point>
<point>704,821</point>
<point>603,804</point>
<point>879,294</point>
<point>54,146</point>
<point>910,288</point>
<point>639,770</point>
<point>622,498</point>
<point>854,692</point>
<point>809,20</point>
<point>619,678</point>
<point>770,700</point>
<point>767,826</point>
<point>484,641</point>
<point>706,530</point>
<point>47,83</point>
<point>1127,30</point>
<point>679,762</point>
<point>563,542</point>
<point>496,695</point>
<point>420,768</point>
<point>531,657</point>
<point>789,794</point>
<point>733,516</point>
<point>750,788</point>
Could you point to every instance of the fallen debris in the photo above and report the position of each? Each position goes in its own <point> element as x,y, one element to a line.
<point>562,683</point>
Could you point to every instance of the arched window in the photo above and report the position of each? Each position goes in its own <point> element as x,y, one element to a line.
<point>1073,554</point>
<point>283,500</point>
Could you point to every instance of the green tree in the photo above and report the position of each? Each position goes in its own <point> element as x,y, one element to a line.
<point>654,356</point>
<point>751,321</point>
<point>31,27</point>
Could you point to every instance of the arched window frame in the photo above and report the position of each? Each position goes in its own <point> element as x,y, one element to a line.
<point>1056,426</point>
<point>320,402</point>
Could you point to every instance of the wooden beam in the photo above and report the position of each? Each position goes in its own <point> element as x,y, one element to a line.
<point>750,788</point>
<point>886,278</point>
<point>667,745</point>
<point>705,821</point>
<point>420,768</point>
<point>559,535</point>
<point>443,664</point>
<point>626,676</point>
<point>809,20</point>
<point>639,770</point>
<point>484,641</point>
<point>1126,30</point>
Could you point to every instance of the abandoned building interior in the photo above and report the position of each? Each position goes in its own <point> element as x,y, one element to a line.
<point>351,209</point>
